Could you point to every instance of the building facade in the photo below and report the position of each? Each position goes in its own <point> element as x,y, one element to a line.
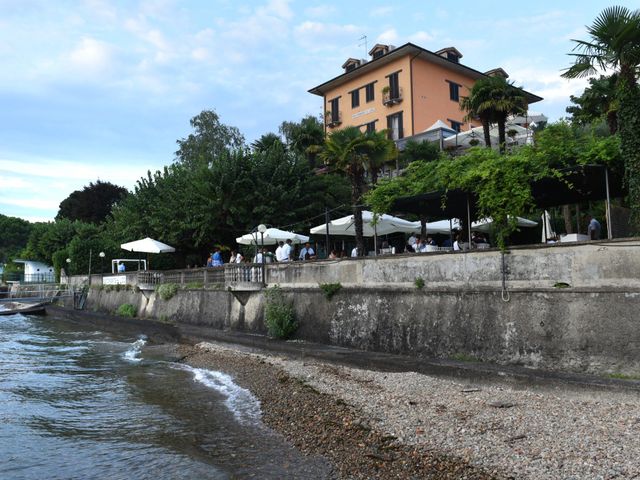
<point>405,90</point>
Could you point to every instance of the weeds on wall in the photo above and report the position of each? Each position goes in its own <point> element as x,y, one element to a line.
<point>166,291</point>
<point>330,289</point>
<point>419,283</point>
<point>126,310</point>
<point>279,316</point>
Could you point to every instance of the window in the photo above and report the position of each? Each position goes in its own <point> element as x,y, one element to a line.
<point>355,98</point>
<point>335,109</point>
<point>351,67</point>
<point>453,57</point>
<point>454,91</point>
<point>457,126</point>
<point>378,53</point>
<point>394,86</point>
<point>394,125</point>
<point>369,92</point>
<point>370,127</point>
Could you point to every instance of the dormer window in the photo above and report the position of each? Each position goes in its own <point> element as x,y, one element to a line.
<point>351,64</point>
<point>497,72</point>
<point>450,53</point>
<point>378,51</point>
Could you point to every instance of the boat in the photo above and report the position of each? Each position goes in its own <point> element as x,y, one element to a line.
<point>13,308</point>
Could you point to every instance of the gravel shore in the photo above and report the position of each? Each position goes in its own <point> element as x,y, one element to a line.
<point>406,425</point>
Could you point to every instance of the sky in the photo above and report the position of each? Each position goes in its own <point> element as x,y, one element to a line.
<point>94,89</point>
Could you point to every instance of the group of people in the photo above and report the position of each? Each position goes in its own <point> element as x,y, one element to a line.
<point>283,253</point>
<point>455,242</point>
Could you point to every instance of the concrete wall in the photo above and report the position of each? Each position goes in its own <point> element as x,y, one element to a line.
<point>592,326</point>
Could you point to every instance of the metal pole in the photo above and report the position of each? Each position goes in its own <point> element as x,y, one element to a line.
<point>90,251</point>
<point>264,280</point>
<point>544,226</point>
<point>606,179</point>
<point>326,222</point>
<point>375,240</point>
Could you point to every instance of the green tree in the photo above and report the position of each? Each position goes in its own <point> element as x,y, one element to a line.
<point>14,237</point>
<point>267,141</point>
<point>614,44</point>
<point>210,139</point>
<point>91,204</point>
<point>492,100</point>
<point>354,153</point>
<point>427,151</point>
<point>301,137</point>
<point>597,102</point>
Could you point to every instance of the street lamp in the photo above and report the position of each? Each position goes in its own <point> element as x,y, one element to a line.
<point>101,255</point>
<point>262,228</point>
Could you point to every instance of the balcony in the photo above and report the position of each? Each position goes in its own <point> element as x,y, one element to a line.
<point>334,119</point>
<point>390,97</point>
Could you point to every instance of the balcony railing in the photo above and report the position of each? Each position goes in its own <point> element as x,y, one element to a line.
<point>334,119</point>
<point>391,97</point>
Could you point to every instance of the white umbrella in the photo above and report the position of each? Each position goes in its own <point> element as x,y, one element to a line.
<point>382,225</point>
<point>547,232</point>
<point>485,224</point>
<point>147,245</point>
<point>271,236</point>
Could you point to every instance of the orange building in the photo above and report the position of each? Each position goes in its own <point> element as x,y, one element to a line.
<point>405,90</point>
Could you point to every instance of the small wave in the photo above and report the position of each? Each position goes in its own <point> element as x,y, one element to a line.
<point>133,352</point>
<point>240,401</point>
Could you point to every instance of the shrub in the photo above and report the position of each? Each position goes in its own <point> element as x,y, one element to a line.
<point>330,289</point>
<point>167,290</point>
<point>419,282</point>
<point>194,286</point>
<point>126,310</point>
<point>279,316</point>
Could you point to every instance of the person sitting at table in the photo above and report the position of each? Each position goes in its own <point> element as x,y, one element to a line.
<point>431,242</point>
<point>457,243</point>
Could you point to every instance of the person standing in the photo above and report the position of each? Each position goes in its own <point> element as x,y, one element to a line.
<point>594,229</point>
<point>217,258</point>
<point>286,253</point>
<point>279,251</point>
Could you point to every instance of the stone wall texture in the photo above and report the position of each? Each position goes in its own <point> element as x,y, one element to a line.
<point>573,308</point>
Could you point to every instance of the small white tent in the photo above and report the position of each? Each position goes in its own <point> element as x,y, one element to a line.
<point>271,236</point>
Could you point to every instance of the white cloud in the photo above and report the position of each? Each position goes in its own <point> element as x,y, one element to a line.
<point>277,8</point>
<point>91,56</point>
<point>421,37</point>
<point>381,11</point>
<point>388,36</point>
<point>320,11</point>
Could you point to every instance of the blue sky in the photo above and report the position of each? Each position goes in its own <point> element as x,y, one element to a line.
<point>94,89</point>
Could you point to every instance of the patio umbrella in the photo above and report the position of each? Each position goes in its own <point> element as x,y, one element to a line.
<point>485,224</point>
<point>147,245</point>
<point>270,237</point>
<point>383,225</point>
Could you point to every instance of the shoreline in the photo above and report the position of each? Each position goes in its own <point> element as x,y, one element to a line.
<point>375,424</point>
<point>319,423</point>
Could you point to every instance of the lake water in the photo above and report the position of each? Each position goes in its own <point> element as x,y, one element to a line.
<point>80,403</point>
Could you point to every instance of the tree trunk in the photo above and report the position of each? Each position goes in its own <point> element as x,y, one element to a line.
<point>423,226</point>
<point>486,133</point>
<point>566,214</point>
<point>502,137</point>
<point>357,184</point>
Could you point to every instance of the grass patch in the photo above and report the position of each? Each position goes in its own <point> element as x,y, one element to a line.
<point>464,357</point>
<point>330,289</point>
<point>126,310</point>
<point>194,286</point>
<point>166,291</point>
<point>561,285</point>
<point>419,283</point>
<point>279,316</point>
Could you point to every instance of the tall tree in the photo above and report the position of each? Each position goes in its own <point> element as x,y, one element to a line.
<point>614,44</point>
<point>302,136</point>
<point>353,152</point>
<point>597,102</point>
<point>210,139</point>
<point>91,204</point>
<point>492,100</point>
<point>14,236</point>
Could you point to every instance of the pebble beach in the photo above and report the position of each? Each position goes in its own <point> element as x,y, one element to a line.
<point>372,424</point>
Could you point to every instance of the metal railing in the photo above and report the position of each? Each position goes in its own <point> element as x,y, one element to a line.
<point>36,292</point>
<point>46,277</point>
<point>195,276</point>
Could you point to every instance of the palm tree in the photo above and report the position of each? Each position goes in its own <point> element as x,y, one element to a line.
<point>615,45</point>
<point>492,100</point>
<point>355,153</point>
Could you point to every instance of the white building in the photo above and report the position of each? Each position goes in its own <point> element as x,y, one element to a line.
<point>37,272</point>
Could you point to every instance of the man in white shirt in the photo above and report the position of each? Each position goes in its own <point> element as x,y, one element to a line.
<point>286,252</point>
<point>279,251</point>
<point>412,240</point>
<point>354,252</point>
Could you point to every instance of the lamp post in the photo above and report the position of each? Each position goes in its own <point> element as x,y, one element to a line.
<point>262,228</point>
<point>101,255</point>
